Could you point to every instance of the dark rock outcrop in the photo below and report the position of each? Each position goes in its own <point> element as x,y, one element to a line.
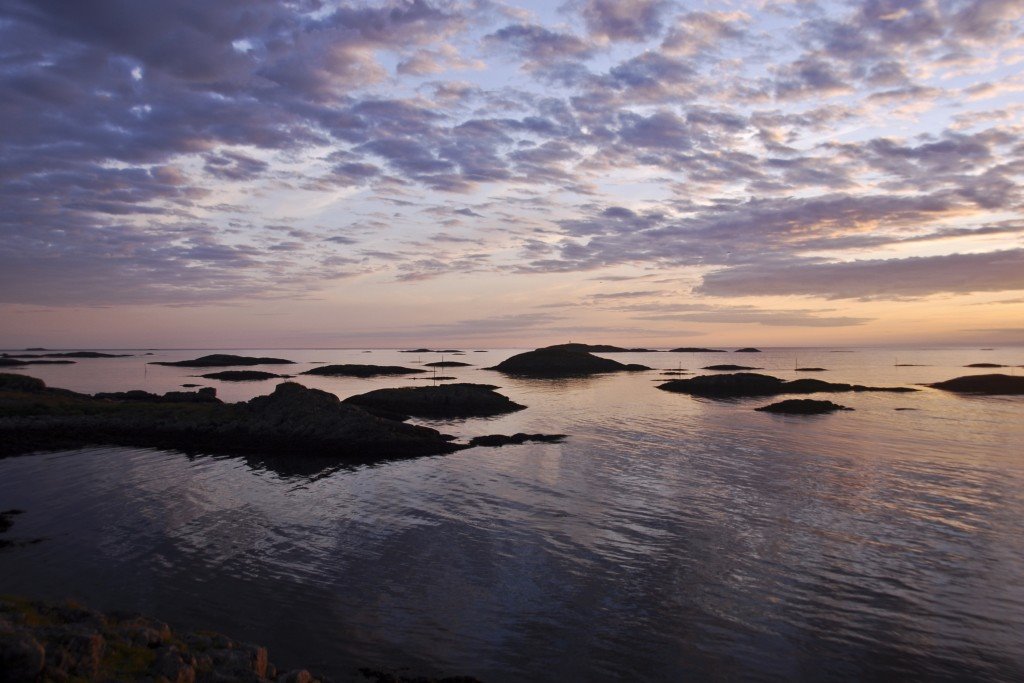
<point>291,423</point>
<point>695,349</point>
<point>802,406</point>
<point>447,364</point>
<point>985,365</point>
<point>499,440</point>
<point>995,384</point>
<point>550,363</point>
<point>446,401</point>
<point>728,366</point>
<point>748,349</point>
<point>811,370</point>
<point>354,370</point>
<point>242,375</point>
<point>49,641</point>
<point>752,384</point>
<point>223,360</point>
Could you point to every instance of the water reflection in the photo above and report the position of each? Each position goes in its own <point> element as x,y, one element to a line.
<point>667,538</point>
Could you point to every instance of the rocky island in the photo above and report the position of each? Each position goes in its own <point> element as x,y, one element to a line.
<point>447,401</point>
<point>802,406</point>
<point>223,360</point>
<point>752,384</point>
<point>355,370</point>
<point>242,375</point>
<point>553,362</point>
<point>995,385</point>
<point>728,366</point>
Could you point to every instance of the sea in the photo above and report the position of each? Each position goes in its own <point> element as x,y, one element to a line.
<point>667,538</point>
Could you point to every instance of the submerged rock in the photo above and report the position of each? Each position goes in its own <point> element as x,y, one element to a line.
<point>222,360</point>
<point>728,366</point>
<point>753,384</point>
<point>499,440</point>
<point>354,370</point>
<point>802,406</point>
<point>242,375</point>
<point>995,384</point>
<point>552,362</point>
<point>445,401</point>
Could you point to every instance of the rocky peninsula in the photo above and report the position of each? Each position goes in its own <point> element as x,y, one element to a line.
<point>293,422</point>
<point>553,362</point>
<point>752,384</point>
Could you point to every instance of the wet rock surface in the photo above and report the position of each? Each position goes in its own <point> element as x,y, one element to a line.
<point>802,406</point>
<point>752,384</point>
<point>48,641</point>
<point>223,360</point>
<point>446,401</point>
<point>356,370</point>
<point>995,384</point>
<point>555,362</point>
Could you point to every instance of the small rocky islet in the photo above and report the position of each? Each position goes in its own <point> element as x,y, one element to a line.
<point>242,375</point>
<point>555,362</point>
<point>223,360</point>
<point>358,370</point>
<point>802,406</point>
<point>728,366</point>
<point>744,384</point>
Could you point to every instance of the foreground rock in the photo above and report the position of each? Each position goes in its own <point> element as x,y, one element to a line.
<point>499,440</point>
<point>752,384</point>
<point>242,375</point>
<point>996,384</point>
<point>554,362</point>
<point>223,360</point>
<point>205,395</point>
<point>802,406</point>
<point>446,401</point>
<point>291,423</point>
<point>354,370</point>
<point>47,641</point>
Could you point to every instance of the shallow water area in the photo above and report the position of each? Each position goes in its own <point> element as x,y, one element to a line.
<point>668,537</point>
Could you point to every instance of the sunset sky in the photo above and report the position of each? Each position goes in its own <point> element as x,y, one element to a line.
<point>245,173</point>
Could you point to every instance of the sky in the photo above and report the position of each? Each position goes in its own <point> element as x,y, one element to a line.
<point>257,174</point>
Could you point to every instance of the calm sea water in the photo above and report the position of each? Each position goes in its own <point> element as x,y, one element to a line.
<point>669,537</point>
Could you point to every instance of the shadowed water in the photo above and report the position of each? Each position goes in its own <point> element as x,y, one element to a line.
<point>667,537</point>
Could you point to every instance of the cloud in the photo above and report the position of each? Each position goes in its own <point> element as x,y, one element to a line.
<point>625,20</point>
<point>915,276</point>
